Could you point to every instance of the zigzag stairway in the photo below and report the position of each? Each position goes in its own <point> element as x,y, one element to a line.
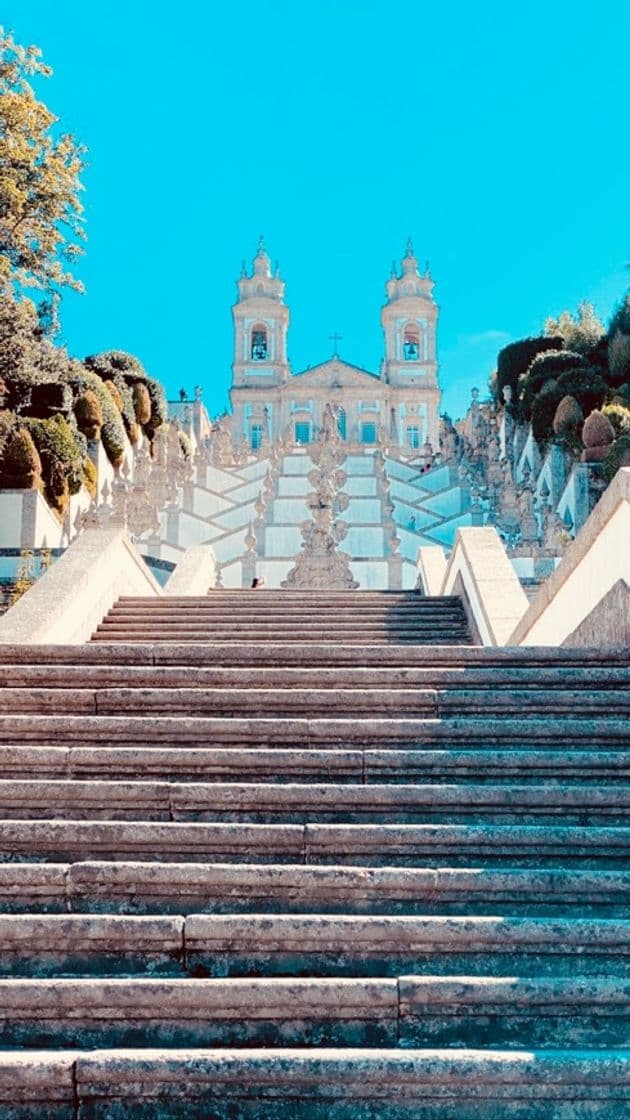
<point>270,854</point>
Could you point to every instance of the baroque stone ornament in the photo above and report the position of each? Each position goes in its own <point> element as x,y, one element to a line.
<point>319,564</point>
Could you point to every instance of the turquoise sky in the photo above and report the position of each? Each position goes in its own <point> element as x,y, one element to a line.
<point>495,134</point>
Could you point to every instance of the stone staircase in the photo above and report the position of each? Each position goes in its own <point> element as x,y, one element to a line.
<point>291,855</point>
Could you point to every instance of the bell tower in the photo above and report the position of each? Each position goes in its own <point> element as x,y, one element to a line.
<point>409,321</point>
<point>261,321</point>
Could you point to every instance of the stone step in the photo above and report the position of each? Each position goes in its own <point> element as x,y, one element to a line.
<point>490,845</point>
<point>281,765</point>
<point>233,945</point>
<point>327,654</point>
<point>521,733</point>
<point>305,803</point>
<point>136,887</point>
<point>400,1011</point>
<point>159,635</point>
<point>469,677</point>
<point>317,1084</point>
<point>320,701</point>
<point>434,702</point>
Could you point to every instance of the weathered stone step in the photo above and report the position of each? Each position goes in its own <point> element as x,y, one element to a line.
<point>281,765</point>
<point>566,732</point>
<point>158,635</point>
<point>327,654</point>
<point>302,803</point>
<point>406,845</point>
<point>317,1084</point>
<point>231,945</point>
<point>319,701</point>
<point>216,702</point>
<point>136,887</point>
<point>469,677</point>
<point>403,1011</point>
<point>349,945</point>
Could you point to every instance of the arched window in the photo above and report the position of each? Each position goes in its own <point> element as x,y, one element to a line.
<point>256,436</point>
<point>342,423</point>
<point>259,343</point>
<point>411,343</point>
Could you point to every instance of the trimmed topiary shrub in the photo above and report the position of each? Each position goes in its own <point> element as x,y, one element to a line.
<point>118,366</point>
<point>62,452</point>
<point>544,410</point>
<point>618,456</point>
<point>21,465</point>
<point>545,367</point>
<point>113,389</point>
<point>90,476</point>
<point>141,403</point>
<point>185,445</point>
<point>89,414</point>
<point>567,422</point>
<point>515,359</point>
<point>598,435</point>
<point>586,385</point>
<point>619,417</point>
<point>112,430</point>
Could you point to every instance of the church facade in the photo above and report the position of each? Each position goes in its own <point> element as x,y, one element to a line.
<point>398,405</point>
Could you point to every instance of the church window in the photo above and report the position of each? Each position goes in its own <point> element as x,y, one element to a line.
<point>259,343</point>
<point>342,424</point>
<point>256,436</point>
<point>302,431</point>
<point>413,436</point>
<point>411,343</point>
<point>368,432</point>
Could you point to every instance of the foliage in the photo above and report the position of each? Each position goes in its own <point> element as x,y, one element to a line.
<point>515,359</point>
<point>89,414</point>
<point>619,343</point>
<point>62,454</point>
<point>568,421</point>
<point>90,476</point>
<point>141,403</point>
<point>618,456</point>
<point>598,430</point>
<point>7,424</point>
<point>112,431</point>
<point>580,334</point>
<point>40,211</point>
<point>185,445</point>
<point>619,417</point>
<point>586,385</point>
<point>545,367</point>
<point>21,465</point>
<point>544,409</point>
<point>126,371</point>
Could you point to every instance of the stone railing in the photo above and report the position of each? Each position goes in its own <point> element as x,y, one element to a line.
<point>581,600</point>
<point>480,572</point>
<point>66,605</point>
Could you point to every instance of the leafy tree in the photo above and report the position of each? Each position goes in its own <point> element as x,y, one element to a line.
<point>619,344</point>
<point>581,333</point>
<point>40,210</point>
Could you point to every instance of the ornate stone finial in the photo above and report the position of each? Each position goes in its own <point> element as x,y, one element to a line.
<point>198,391</point>
<point>319,564</point>
<point>261,244</point>
<point>409,248</point>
